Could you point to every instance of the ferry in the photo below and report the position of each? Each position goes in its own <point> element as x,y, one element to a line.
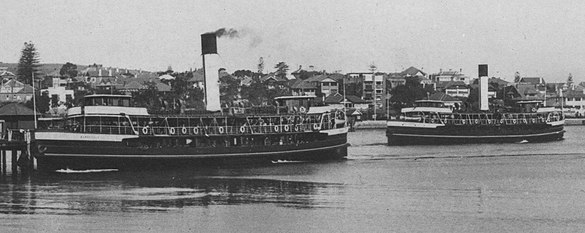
<point>432,122</point>
<point>436,122</point>
<point>109,132</point>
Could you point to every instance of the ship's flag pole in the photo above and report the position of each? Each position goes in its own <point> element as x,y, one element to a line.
<point>34,99</point>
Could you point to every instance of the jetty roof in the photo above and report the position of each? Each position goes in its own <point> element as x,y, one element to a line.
<point>16,109</point>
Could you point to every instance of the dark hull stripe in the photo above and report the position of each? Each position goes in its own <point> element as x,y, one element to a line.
<point>197,155</point>
<point>476,136</point>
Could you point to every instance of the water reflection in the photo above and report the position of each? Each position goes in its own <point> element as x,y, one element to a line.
<point>152,192</point>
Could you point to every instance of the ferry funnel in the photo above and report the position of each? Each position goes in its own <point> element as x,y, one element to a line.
<point>483,87</point>
<point>210,71</point>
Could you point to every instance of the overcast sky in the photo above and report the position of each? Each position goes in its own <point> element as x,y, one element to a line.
<point>536,38</point>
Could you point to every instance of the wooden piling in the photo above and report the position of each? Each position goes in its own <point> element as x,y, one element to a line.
<point>3,161</point>
<point>14,161</point>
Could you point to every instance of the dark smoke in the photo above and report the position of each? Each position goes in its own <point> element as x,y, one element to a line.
<point>229,32</point>
<point>232,33</point>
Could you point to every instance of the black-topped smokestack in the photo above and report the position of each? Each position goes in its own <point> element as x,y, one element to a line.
<point>210,71</point>
<point>208,43</point>
<point>483,87</point>
<point>483,70</point>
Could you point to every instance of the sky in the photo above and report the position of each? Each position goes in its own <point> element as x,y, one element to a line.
<point>532,37</point>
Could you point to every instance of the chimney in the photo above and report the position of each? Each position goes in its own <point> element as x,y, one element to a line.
<point>100,72</point>
<point>483,87</point>
<point>110,72</point>
<point>210,71</point>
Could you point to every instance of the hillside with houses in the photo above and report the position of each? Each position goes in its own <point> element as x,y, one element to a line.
<point>366,95</point>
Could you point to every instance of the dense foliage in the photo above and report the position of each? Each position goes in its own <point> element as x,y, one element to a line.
<point>28,63</point>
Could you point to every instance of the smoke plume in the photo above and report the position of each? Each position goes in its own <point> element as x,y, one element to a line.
<point>228,32</point>
<point>232,33</point>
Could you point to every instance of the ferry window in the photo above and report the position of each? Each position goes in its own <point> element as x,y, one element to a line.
<point>115,102</point>
<point>110,102</point>
<point>125,102</point>
<point>98,102</point>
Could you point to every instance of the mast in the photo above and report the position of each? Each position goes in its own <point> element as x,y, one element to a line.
<point>34,99</point>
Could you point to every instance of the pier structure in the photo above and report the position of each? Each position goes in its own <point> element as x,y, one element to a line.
<point>16,144</point>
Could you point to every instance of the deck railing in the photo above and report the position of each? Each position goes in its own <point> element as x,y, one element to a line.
<point>487,118</point>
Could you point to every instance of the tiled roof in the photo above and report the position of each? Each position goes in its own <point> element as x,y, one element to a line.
<point>442,97</point>
<point>273,77</point>
<point>499,81</point>
<point>303,84</point>
<point>15,109</point>
<point>27,89</point>
<point>532,80</point>
<point>574,94</point>
<point>197,77</point>
<point>319,78</point>
<point>337,98</point>
<point>354,99</point>
<point>451,84</point>
<point>337,77</point>
<point>333,99</point>
<point>134,85</point>
<point>412,71</point>
<point>163,87</point>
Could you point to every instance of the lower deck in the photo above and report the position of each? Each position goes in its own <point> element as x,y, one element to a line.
<point>152,151</point>
<point>456,134</point>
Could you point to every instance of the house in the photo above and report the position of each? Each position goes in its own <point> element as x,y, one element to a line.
<point>325,84</point>
<point>574,97</point>
<point>15,91</point>
<point>532,81</point>
<point>349,102</point>
<point>302,88</point>
<point>5,74</point>
<point>413,72</point>
<point>449,76</point>
<point>373,84</point>
<point>448,100</point>
<point>395,79</point>
<point>498,82</point>
<point>300,73</point>
<point>58,92</point>
<point>198,80</point>
<point>454,88</point>
<point>273,81</point>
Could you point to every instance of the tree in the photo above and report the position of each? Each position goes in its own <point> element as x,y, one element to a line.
<point>80,89</point>
<point>281,69</point>
<point>243,73</point>
<point>517,77</point>
<point>256,93</point>
<point>42,102</point>
<point>570,80</point>
<point>28,63</point>
<point>68,70</point>
<point>261,65</point>
<point>405,95</point>
<point>229,89</point>
<point>148,97</point>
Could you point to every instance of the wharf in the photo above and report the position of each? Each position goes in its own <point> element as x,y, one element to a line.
<point>16,146</point>
<point>574,121</point>
<point>379,124</point>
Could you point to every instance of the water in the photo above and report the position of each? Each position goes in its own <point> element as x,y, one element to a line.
<point>521,187</point>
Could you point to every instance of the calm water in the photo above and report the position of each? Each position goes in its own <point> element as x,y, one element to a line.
<point>458,188</point>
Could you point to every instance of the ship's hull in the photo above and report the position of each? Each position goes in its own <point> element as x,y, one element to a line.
<point>399,133</point>
<point>62,150</point>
